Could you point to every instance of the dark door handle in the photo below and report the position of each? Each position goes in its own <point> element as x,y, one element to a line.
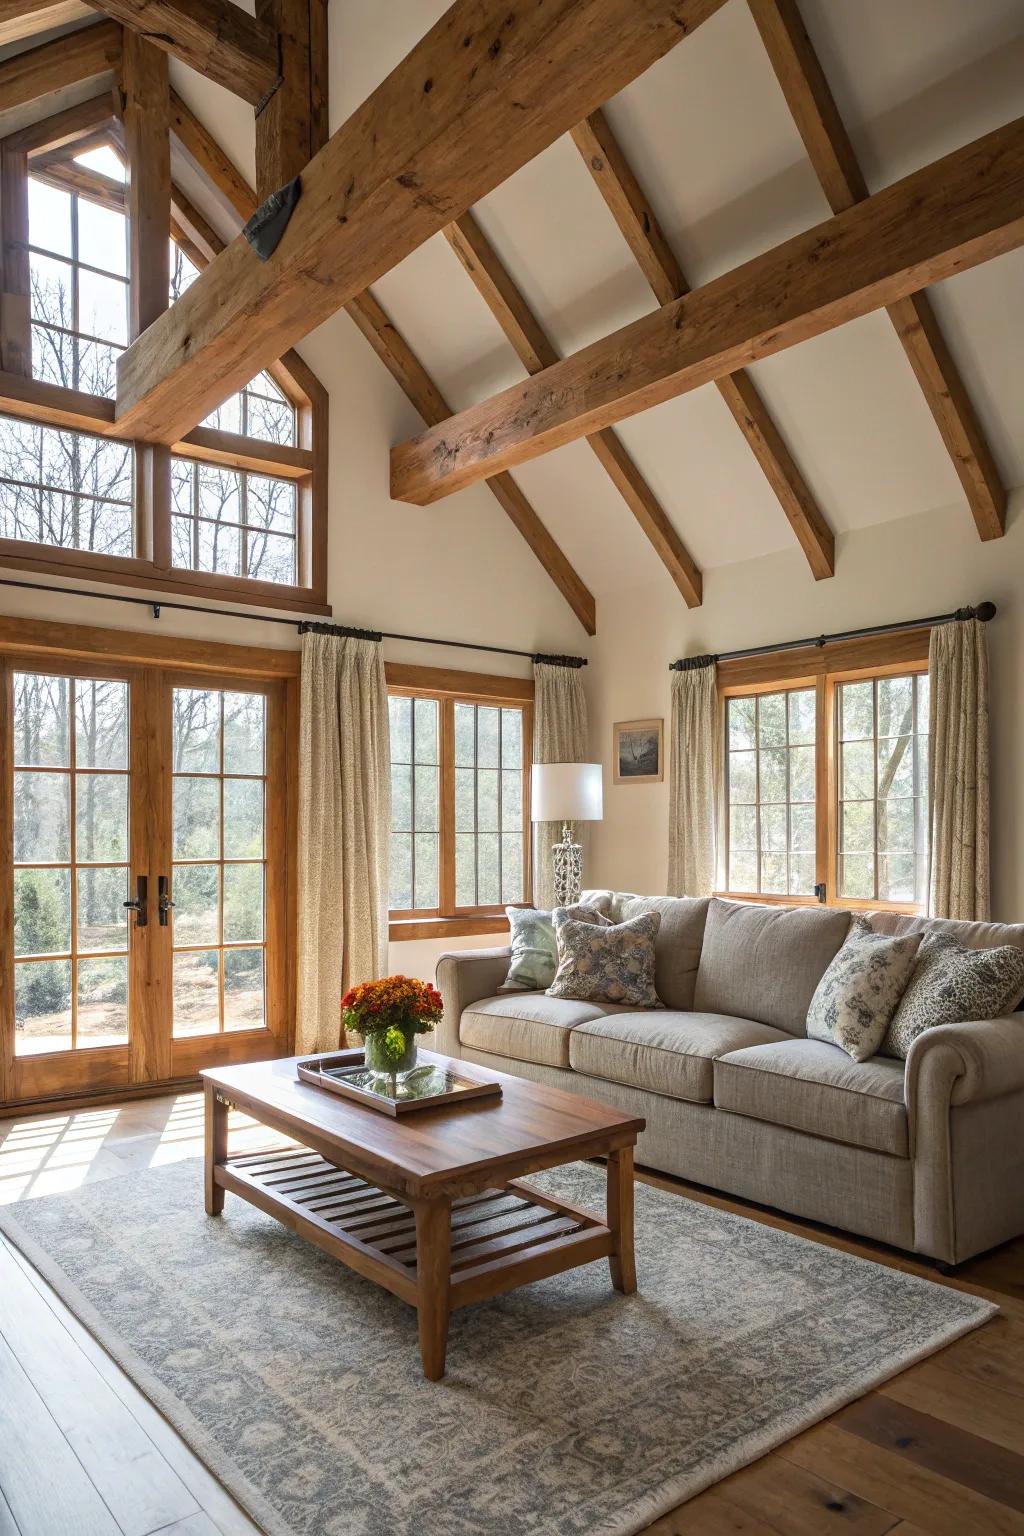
<point>138,906</point>
<point>164,902</point>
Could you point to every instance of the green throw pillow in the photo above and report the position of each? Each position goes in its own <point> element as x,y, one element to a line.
<point>534,950</point>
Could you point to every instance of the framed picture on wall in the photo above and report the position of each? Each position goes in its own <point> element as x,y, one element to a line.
<point>637,747</point>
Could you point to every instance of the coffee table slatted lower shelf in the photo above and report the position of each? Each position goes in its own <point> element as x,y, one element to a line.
<point>500,1237</point>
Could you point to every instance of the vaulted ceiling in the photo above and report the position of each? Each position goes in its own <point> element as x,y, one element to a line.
<point>710,137</point>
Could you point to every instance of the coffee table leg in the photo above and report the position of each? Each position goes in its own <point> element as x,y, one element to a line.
<point>433,1270</point>
<point>620,1219</point>
<point>216,1148</point>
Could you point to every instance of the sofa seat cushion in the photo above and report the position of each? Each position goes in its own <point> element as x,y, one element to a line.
<point>528,1026</point>
<point>664,1052</point>
<point>812,1086</point>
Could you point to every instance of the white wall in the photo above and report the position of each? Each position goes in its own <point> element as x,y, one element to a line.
<point>905,569</point>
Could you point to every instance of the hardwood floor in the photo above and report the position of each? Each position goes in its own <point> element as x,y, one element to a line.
<point>938,1451</point>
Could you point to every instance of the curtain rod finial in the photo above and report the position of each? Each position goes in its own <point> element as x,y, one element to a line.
<point>985,612</point>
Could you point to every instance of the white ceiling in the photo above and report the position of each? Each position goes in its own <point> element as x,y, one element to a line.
<point>710,137</point>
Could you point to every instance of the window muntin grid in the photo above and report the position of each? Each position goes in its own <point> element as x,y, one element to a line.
<point>771,792</point>
<point>233,522</point>
<point>882,788</point>
<point>71,851</point>
<point>489,842</point>
<point>415,726</point>
<point>218,885</point>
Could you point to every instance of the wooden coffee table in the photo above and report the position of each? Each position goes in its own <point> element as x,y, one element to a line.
<point>431,1205</point>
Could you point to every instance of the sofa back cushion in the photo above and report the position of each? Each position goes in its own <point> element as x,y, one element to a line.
<point>973,935</point>
<point>765,963</point>
<point>677,945</point>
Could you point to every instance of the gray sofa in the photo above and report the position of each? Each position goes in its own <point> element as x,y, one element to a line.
<point>927,1154</point>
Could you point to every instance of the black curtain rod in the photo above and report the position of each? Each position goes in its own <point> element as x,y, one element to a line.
<point>311,627</point>
<point>302,625</point>
<point>983,611</point>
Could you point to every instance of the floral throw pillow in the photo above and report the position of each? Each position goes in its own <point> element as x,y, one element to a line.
<point>856,998</point>
<point>534,951</point>
<point>609,964</point>
<point>954,984</point>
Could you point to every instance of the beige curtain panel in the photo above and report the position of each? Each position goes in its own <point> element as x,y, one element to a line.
<point>560,735</point>
<point>344,829</point>
<point>694,777</point>
<point>958,771</point>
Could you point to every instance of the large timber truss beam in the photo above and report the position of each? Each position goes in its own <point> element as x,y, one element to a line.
<point>215,37</point>
<point>955,213</point>
<point>482,93</point>
<point>817,118</point>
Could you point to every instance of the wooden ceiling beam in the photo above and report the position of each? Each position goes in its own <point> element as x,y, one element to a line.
<point>618,185</point>
<point>65,130</point>
<point>953,214</point>
<point>27,18</point>
<point>284,141</point>
<point>832,155</point>
<point>484,91</point>
<point>536,351</point>
<point>214,37</point>
<point>419,388</point>
<point>92,53</point>
<point>145,104</point>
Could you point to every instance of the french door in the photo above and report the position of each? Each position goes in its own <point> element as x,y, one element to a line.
<point>144,873</point>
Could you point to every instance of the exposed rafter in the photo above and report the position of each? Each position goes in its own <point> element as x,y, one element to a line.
<point>27,18</point>
<point>961,210</point>
<point>406,368</point>
<point>827,143</point>
<point>70,129</point>
<point>90,54</point>
<point>484,91</point>
<point>215,37</point>
<point>401,362</point>
<point>536,352</point>
<point>632,212</point>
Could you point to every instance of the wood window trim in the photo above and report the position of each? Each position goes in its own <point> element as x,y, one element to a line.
<point>823,667</point>
<point>448,686</point>
<point>35,645</point>
<point>305,462</point>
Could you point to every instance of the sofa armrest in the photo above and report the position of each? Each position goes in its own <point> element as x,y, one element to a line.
<point>464,978</point>
<point>964,1063</point>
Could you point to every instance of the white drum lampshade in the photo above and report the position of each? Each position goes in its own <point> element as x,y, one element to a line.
<point>566,792</point>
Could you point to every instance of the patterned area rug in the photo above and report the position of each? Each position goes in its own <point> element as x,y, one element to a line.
<point>567,1410</point>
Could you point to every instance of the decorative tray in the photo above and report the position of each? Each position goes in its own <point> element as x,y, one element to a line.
<point>425,1087</point>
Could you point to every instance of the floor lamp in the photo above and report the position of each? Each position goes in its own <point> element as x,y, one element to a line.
<point>566,792</point>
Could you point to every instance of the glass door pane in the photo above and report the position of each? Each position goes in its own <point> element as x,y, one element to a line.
<point>71,862</point>
<point>218,851</point>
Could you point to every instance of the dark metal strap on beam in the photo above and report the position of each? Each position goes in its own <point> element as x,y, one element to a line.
<point>982,611</point>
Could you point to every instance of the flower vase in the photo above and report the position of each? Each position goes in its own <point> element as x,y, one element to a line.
<point>384,1064</point>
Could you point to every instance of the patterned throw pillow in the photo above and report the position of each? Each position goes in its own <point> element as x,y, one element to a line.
<point>534,951</point>
<point>612,964</point>
<point>856,998</point>
<point>954,984</point>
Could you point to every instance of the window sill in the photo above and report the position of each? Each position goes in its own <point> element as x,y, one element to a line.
<point>400,929</point>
